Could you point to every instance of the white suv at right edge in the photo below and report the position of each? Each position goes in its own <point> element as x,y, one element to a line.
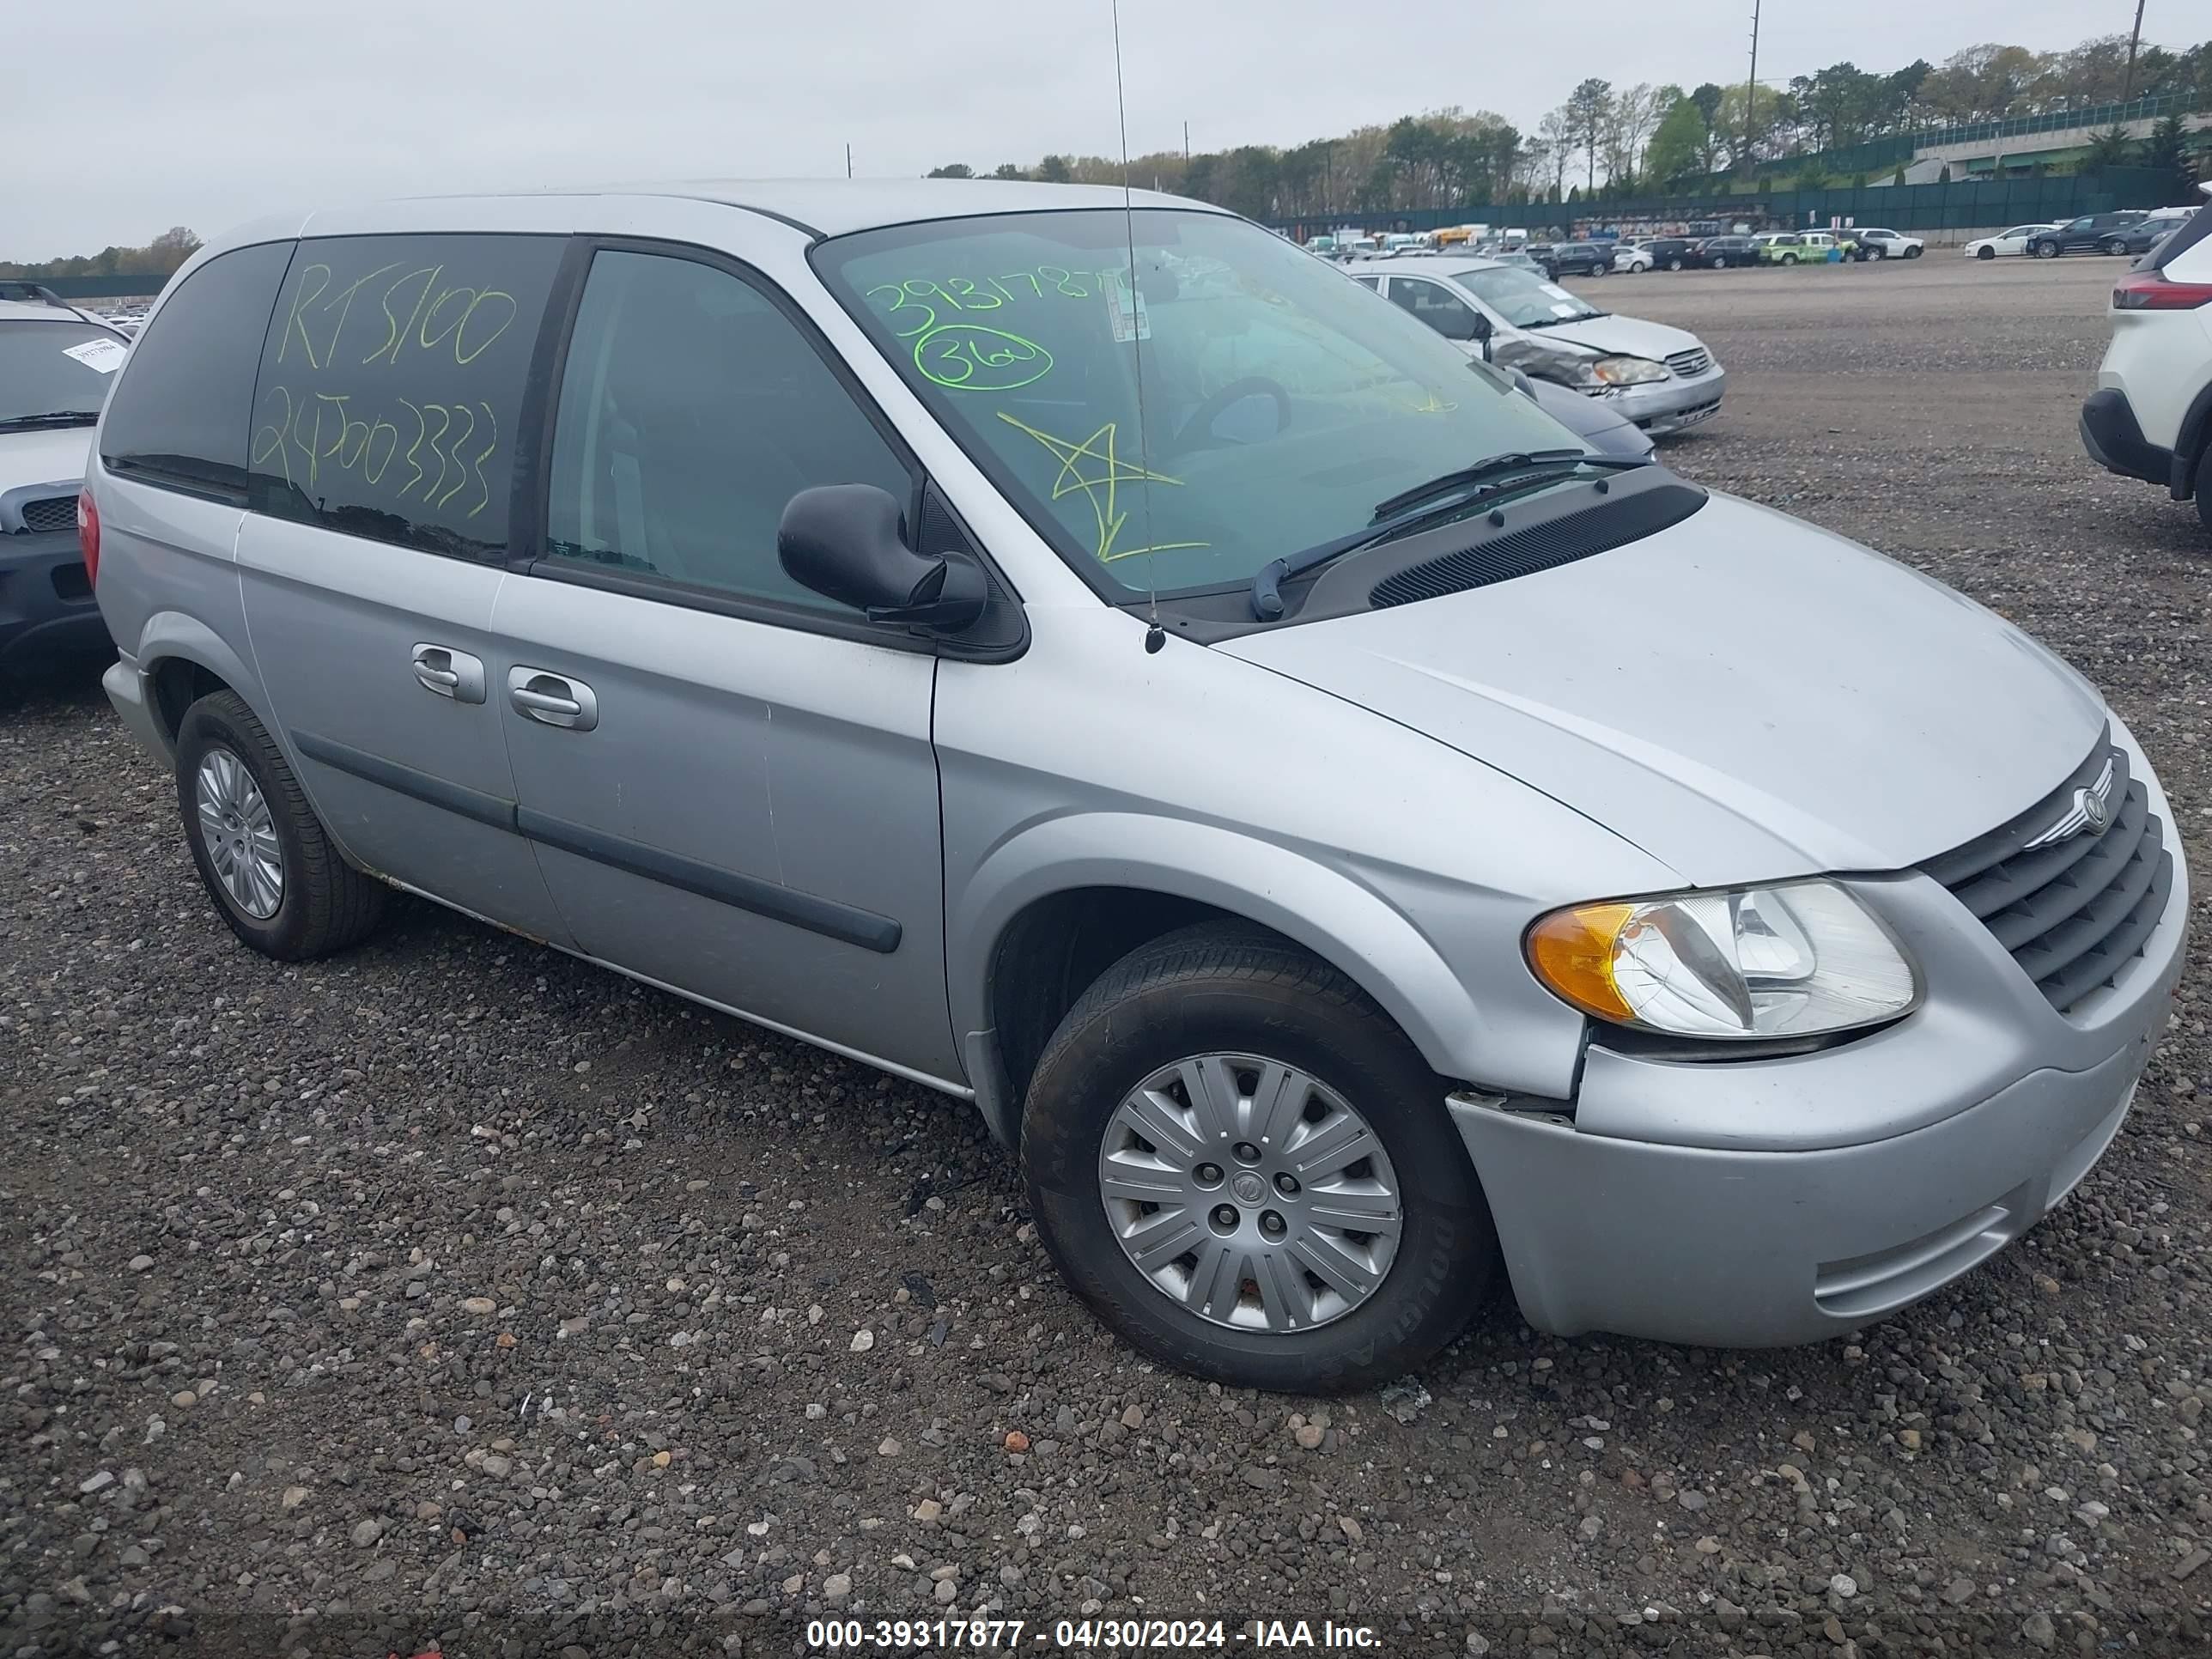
<point>2151,415</point>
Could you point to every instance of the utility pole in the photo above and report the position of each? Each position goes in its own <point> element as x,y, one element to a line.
<point>1186,126</point>
<point>2128,87</point>
<point>1751,86</point>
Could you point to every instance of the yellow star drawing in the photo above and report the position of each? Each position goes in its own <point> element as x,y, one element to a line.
<point>1100,491</point>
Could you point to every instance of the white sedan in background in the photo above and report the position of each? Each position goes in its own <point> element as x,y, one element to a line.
<point>2005,241</point>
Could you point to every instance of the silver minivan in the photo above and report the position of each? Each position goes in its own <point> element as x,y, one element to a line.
<point>1082,655</point>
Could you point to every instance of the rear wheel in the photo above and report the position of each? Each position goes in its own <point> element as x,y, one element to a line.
<point>1245,1171</point>
<point>271,871</point>
<point>1789,258</point>
<point>2204,486</point>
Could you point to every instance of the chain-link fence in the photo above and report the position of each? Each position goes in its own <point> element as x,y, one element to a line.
<point>1962,205</point>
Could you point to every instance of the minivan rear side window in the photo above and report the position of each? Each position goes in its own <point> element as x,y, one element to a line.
<point>390,399</point>
<point>179,419</point>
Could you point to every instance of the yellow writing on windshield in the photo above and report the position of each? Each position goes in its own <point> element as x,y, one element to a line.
<point>1095,469</point>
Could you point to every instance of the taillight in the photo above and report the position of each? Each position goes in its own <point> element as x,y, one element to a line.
<point>88,533</point>
<point>2152,290</point>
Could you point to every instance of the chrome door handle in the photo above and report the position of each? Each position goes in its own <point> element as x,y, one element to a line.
<point>447,672</point>
<point>553,699</point>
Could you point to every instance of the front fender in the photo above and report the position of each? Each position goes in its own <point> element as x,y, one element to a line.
<point>1346,923</point>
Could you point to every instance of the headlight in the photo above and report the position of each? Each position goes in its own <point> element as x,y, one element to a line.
<point>1792,960</point>
<point>1628,371</point>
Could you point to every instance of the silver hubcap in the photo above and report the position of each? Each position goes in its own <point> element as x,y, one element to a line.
<point>1250,1193</point>
<point>239,835</point>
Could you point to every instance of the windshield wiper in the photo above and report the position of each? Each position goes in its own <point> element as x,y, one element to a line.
<point>1553,322</point>
<point>58,418</point>
<point>1446,492</point>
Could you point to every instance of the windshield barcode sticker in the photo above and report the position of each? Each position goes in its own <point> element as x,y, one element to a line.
<point>1125,306</point>
<point>105,355</point>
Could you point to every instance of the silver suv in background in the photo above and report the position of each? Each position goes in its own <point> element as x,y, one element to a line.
<point>56,366</point>
<point>1661,379</point>
<point>1082,655</point>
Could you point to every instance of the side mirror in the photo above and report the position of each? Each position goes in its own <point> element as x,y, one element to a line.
<point>843,542</point>
<point>1483,331</point>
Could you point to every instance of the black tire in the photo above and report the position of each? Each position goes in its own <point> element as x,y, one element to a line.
<point>1789,258</point>
<point>1229,988</point>
<point>1913,253</point>
<point>2048,249</point>
<point>2204,486</point>
<point>1675,263</point>
<point>2113,244</point>
<point>1985,253</point>
<point>1720,262</point>
<point>327,904</point>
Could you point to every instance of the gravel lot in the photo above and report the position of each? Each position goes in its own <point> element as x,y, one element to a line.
<point>453,1293</point>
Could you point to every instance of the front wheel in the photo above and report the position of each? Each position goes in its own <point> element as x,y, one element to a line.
<point>2046,250</point>
<point>2113,244</point>
<point>1247,1171</point>
<point>1913,253</point>
<point>1675,263</point>
<point>1986,253</point>
<point>2204,487</point>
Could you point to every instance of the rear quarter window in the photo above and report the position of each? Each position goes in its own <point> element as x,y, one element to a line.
<point>179,417</point>
<point>389,397</point>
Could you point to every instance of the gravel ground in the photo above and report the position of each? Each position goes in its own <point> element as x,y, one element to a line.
<point>453,1293</point>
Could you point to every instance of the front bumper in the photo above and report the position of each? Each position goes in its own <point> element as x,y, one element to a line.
<point>1670,405</point>
<point>46,608</point>
<point>2114,438</point>
<point>1785,1204</point>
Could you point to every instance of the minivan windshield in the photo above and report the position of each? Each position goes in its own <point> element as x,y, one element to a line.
<point>54,373</point>
<point>1523,298</point>
<point>1279,403</point>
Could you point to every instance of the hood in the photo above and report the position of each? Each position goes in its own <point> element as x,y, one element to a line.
<point>54,455</point>
<point>1630,334</point>
<point>1741,695</point>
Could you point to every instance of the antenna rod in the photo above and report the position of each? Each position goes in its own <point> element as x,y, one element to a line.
<point>1155,636</point>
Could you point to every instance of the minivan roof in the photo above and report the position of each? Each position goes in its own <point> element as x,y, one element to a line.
<point>831,207</point>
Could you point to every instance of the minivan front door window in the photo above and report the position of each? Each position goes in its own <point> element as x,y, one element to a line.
<point>692,411</point>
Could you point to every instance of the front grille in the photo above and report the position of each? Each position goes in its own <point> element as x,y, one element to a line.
<point>50,513</point>
<point>2074,913</point>
<point>1686,363</point>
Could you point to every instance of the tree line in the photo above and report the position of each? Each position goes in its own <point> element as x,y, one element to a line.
<point>1620,140</point>
<point>160,256</point>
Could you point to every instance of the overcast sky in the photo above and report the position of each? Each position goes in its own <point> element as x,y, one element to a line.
<point>205,113</point>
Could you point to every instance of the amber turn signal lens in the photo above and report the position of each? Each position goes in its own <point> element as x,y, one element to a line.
<point>1572,952</point>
